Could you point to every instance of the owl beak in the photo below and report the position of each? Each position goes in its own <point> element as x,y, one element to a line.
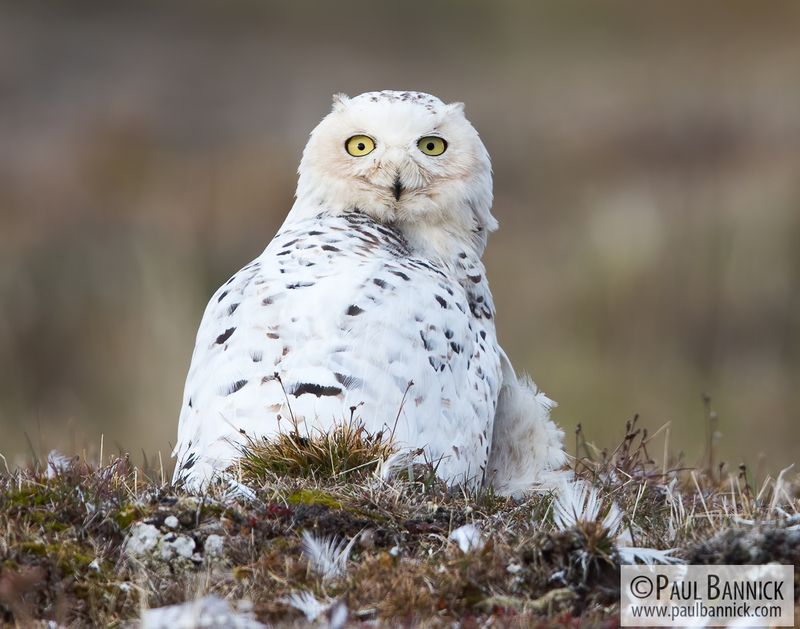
<point>398,189</point>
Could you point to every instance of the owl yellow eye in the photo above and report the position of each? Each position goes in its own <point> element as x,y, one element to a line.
<point>360,145</point>
<point>431,145</point>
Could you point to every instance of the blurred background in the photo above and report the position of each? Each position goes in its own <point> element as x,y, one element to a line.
<point>647,182</point>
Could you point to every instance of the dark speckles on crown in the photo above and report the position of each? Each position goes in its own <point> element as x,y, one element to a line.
<point>390,96</point>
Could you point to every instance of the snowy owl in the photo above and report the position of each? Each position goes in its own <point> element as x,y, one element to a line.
<point>372,295</point>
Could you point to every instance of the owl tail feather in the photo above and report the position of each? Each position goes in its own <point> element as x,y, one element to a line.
<point>527,446</point>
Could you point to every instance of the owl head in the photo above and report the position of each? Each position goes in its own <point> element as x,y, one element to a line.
<point>405,158</point>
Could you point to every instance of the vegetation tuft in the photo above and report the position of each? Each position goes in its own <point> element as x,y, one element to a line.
<point>347,449</point>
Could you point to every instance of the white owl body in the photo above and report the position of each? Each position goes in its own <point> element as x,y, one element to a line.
<point>372,296</point>
<point>341,309</point>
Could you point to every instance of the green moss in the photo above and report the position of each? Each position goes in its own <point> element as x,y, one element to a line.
<point>39,549</point>
<point>53,526</point>
<point>72,561</point>
<point>35,516</point>
<point>127,515</point>
<point>211,509</point>
<point>313,497</point>
<point>29,495</point>
<point>69,557</point>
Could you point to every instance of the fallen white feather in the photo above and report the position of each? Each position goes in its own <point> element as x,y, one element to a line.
<point>327,556</point>
<point>236,491</point>
<point>632,554</point>
<point>308,604</point>
<point>57,463</point>
<point>577,502</point>
<point>395,463</point>
<point>209,611</point>
<point>468,538</point>
<point>338,616</point>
